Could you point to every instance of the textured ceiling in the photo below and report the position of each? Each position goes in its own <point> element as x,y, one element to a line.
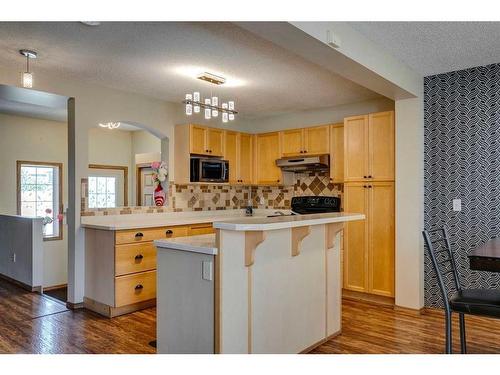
<point>159,60</point>
<point>436,47</point>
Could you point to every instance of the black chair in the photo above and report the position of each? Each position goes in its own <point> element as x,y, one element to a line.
<point>483,302</point>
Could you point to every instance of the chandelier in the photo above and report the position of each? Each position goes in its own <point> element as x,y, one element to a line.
<point>211,108</point>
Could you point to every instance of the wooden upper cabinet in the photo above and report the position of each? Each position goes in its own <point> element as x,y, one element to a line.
<point>231,154</point>
<point>292,142</point>
<point>206,141</point>
<point>215,141</point>
<point>369,147</point>
<point>337,152</point>
<point>267,150</point>
<point>245,158</point>
<point>238,150</point>
<point>312,141</point>
<point>198,140</point>
<point>355,148</point>
<point>317,140</point>
<point>381,146</point>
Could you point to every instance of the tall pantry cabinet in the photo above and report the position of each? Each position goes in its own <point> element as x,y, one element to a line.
<point>369,189</point>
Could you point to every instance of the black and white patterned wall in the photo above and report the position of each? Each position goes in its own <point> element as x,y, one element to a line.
<point>462,160</point>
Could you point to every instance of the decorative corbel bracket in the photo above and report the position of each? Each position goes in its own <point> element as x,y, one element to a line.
<point>331,232</point>
<point>298,234</point>
<point>252,240</point>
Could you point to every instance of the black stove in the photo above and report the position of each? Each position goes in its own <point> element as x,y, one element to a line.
<point>315,205</point>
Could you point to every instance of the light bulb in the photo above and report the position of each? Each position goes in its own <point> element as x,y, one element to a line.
<point>27,80</point>
<point>189,105</point>
<point>215,103</point>
<point>208,111</point>
<point>196,98</point>
<point>224,113</point>
<point>231,108</point>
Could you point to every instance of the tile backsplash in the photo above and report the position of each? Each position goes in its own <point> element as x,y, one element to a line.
<point>199,197</point>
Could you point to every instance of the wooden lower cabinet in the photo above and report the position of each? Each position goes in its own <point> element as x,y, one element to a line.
<point>120,266</point>
<point>369,244</point>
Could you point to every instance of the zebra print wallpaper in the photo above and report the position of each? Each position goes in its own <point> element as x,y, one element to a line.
<point>462,160</point>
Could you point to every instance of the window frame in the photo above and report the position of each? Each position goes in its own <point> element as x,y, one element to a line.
<point>59,166</point>
<point>122,168</point>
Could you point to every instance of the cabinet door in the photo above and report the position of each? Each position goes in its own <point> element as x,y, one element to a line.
<point>381,146</point>
<point>337,153</point>
<point>231,154</point>
<point>292,142</point>
<point>245,158</point>
<point>215,142</point>
<point>381,238</point>
<point>317,140</point>
<point>267,151</point>
<point>356,238</point>
<point>198,140</point>
<point>355,148</point>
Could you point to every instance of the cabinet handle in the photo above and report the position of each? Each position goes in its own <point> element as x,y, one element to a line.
<point>139,234</point>
<point>168,232</point>
<point>369,176</point>
<point>277,180</point>
<point>365,186</point>
<point>206,150</point>
<point>369,186</point>
<point>305,151</point>
<point>139,257</point>
<point>364,176</point>
<point>138,287</point>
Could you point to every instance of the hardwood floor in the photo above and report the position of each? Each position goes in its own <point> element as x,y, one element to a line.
<point>375,329</point>
<point>33,323</point>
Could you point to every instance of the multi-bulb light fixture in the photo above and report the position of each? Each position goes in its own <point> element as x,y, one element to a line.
<point>194,103</point>
<point>110,125</point>
<point>27,76</point>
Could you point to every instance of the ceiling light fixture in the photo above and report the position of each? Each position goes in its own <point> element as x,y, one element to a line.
<point>211,106</point>
<point>27,76</point>
<point>110,125</point>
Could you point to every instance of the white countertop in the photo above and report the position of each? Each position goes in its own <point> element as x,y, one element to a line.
<point>283,222</point>
<point>134,221</point>
<point>204,244</point>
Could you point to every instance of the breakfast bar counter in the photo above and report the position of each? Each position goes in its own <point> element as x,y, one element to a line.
<point>276,285</point>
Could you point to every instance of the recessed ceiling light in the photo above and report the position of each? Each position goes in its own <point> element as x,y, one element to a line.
<point>91,23</point>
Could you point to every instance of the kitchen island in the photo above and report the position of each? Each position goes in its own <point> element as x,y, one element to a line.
<point>276,285</point>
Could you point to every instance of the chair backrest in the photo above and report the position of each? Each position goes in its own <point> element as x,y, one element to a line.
<point>443,261</point>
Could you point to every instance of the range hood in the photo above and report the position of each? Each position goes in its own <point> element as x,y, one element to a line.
<point>304,163</point>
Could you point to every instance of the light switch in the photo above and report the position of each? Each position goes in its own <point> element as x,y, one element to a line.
<point>457,205</point>
<point>207,271</point>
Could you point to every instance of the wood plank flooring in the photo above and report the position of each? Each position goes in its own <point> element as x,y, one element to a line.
<point>33,323</point>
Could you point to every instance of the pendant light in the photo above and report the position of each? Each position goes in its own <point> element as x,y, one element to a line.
<point>27,77</point>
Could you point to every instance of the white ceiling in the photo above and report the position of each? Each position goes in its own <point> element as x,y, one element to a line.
<point>159,60</point>
<point>436,47</point>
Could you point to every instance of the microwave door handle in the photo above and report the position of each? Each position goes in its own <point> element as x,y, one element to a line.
<point>224,171</point>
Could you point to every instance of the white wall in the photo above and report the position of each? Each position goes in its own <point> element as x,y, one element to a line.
<point>322,116</point>
<point>25,138</point>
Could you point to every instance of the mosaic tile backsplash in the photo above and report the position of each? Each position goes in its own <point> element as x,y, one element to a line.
<point>198,197</point>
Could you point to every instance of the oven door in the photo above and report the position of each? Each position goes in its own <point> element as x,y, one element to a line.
<point>213,170</point>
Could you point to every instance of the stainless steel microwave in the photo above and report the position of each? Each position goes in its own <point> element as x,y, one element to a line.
<point>209,170</point>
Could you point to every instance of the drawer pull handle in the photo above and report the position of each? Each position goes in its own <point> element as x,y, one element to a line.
<point>169,232</point>
<point>138,287</point>
<point>139,234</point>
<point>139,257</point>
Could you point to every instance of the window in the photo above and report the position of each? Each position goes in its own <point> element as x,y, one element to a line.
<point>39,194</point>
<point>102,191</point>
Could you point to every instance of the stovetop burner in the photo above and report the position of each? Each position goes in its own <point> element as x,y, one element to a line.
<point>315,204</point>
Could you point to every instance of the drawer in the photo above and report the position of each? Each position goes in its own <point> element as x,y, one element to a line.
<point>198,229</point>
<point>135,288</point>
<point>134,257</point>
<point>149,234</point>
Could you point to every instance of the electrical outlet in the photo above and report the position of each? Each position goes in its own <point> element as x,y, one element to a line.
<point>13,257</point>
<point>457,205</point>
<point>207,271</point>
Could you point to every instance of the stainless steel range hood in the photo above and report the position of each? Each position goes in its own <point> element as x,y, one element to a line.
<point>304,163</point>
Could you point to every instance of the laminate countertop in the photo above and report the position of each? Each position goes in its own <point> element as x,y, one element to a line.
<point>204,244</point>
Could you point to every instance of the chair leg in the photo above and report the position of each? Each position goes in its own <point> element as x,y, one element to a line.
<point>463,344</point>
<point>448,333</point>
